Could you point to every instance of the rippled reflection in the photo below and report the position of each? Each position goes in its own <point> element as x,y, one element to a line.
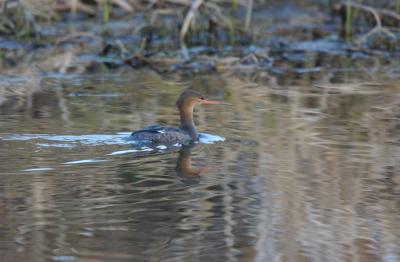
<point>306,173</point>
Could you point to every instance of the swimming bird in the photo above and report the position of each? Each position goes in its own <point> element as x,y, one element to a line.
<point>184,134</point>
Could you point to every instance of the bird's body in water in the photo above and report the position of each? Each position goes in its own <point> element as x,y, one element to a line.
<point>157,135</point>
<point>184,134</point>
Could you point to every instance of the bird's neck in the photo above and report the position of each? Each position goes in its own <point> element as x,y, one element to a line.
<point>187,123</point>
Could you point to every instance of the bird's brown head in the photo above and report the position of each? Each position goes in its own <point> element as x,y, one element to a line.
<point>189,98</point>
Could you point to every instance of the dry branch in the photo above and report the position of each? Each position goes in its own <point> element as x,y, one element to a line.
<point>185,27</point>
<point>378,15</point>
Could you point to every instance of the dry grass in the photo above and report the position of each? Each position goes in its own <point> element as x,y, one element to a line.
<point>22,18</point>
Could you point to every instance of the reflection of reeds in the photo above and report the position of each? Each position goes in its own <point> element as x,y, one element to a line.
<point>321,173</point>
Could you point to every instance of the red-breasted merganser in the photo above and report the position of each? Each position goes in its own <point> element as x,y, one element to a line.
<point>185,134</point>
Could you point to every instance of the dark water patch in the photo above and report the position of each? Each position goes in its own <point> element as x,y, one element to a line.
<point>6,44</point>
<point>327,46</point>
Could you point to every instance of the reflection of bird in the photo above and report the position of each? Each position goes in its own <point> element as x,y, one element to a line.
<point>186,133</point>
<point>184,164</point>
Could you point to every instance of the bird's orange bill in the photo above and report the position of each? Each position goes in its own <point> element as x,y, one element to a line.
<point>210,102</point>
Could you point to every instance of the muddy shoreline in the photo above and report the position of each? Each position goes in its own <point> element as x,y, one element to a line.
<point>283,43</point>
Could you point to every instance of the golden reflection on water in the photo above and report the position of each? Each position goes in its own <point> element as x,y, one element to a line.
<point>307,173</point>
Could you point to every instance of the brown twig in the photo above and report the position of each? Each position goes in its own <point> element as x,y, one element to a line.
<point>186,23</point>
<point>249,11</point>
<point>377,14</point>
<point>378,26</point>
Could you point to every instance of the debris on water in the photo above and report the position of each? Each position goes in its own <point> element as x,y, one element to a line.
<point>95,95</point>
<point>85,161</point>
<point>55,145</point>
<point>63,258</point>
<point>91,139</point>
<point>205,138</point>
<point>122,152</point>
<point>38,169</point>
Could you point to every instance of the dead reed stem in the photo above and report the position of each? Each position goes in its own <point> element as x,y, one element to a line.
<point>249,12</point>
<point>378,28</point>
<point>186,23</point>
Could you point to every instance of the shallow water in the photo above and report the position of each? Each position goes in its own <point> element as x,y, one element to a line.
<point>306,172</point>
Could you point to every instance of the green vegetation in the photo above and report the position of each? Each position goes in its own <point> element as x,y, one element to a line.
<point>349,20</point>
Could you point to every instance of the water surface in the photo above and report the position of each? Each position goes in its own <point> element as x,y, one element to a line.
<point>307,172</point>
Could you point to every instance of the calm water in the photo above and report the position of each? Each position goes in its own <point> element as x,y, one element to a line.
<point>306,173</point>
